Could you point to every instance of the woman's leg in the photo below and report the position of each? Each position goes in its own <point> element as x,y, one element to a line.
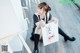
<point>36,41</point>
<point>66,37</point>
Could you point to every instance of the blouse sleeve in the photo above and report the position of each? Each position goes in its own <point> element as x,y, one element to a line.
<point>35,19</point>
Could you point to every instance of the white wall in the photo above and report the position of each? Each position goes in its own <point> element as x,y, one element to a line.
<point>12,21</point>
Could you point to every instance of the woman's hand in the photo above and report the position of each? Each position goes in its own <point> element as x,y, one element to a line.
<point>42,23</point>
<point>39,25</point>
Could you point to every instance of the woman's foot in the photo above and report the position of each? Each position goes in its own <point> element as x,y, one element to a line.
<point>35,51</point>
<point>70,39</point>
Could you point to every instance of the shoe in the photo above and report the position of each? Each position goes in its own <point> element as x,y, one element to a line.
<point>70,39</point>
<point>35,51</point>
<point>73,39</point>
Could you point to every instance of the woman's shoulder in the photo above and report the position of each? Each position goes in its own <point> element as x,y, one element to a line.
<point>35,15</point>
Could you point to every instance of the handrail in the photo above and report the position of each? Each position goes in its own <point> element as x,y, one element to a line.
<point>24,43</point>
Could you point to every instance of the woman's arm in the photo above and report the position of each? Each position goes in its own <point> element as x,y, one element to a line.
<point>40,24</point>
<point>36,22</point>
<point>35,19</point>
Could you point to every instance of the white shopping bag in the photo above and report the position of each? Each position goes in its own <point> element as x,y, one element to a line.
<point>50,33</point>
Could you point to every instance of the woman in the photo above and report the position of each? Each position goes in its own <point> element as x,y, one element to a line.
<point>38,18</point>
